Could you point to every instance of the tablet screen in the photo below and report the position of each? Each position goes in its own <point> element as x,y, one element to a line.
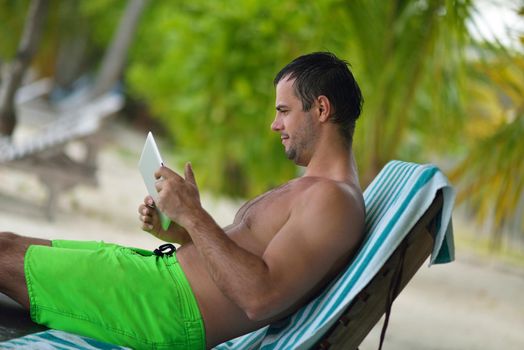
<point>150,161</point>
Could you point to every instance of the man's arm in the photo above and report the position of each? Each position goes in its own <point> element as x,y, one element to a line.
<point>324,227</point>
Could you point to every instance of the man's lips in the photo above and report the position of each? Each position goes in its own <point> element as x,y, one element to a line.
<point>284,137</point>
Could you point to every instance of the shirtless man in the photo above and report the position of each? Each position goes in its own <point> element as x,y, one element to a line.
<point>278,253</point>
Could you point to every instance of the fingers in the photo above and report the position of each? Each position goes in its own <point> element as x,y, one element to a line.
<point>148,200</point>
<point>146,217</point>
<point>146,225</point>
<point>161,172</point>
<point>189,175</point>
<point>165,172</point>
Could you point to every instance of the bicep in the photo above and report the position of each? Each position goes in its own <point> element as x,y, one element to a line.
<point>307,250</point>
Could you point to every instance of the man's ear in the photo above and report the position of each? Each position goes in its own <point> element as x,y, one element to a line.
<point>324,108</point>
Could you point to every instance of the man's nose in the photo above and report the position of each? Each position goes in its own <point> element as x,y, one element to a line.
<point>277,124</point>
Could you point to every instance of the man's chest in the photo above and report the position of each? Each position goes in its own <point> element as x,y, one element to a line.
<point>262,217</point>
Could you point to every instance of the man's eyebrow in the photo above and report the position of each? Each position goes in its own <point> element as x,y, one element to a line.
<point>281,107</point>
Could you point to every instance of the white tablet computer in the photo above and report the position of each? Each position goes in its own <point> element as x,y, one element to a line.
<point>150,162</point>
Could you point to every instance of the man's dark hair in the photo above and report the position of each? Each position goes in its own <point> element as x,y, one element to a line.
<point>323,73</point>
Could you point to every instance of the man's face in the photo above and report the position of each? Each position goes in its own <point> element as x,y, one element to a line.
<point>296,127</point>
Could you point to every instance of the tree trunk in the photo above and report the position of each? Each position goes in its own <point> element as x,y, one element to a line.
<point>12,75</point>
<point>115,57</point>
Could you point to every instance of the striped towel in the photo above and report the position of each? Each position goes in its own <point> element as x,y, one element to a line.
<point>395,201</point>
<point>52,339</point>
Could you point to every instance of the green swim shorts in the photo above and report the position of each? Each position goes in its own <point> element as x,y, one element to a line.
<point>124,296</point>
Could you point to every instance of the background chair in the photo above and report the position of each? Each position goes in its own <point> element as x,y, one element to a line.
<point>43,151</point>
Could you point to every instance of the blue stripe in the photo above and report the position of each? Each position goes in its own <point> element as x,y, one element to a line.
<point>376,188</point>
<point>395,183</point>
<point>245,342</point>
<point>390,181</point>
<point>392,194</point>
<point>56,340</point>
<point>48,336</point>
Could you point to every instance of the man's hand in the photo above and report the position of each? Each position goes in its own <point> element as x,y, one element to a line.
<point>178,197</point>
<point>150,219</point>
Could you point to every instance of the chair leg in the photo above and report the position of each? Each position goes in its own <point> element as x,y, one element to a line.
<point>394,290</point>
<point>51,204</point>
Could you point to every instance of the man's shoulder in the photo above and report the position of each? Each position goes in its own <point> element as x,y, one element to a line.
<point>335,207</point>
<point>326,191</point>
<point>328,215</point>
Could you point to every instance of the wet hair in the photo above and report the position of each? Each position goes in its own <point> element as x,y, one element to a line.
<point>323,73</point>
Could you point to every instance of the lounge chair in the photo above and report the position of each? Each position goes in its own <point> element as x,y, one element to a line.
<point>398,209</point>
<point>408,217</point>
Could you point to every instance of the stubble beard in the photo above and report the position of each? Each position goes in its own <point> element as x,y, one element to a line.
<point>302,142</point>
<point>291,154</point>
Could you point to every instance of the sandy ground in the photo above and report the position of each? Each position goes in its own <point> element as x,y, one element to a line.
<point>472,303</point>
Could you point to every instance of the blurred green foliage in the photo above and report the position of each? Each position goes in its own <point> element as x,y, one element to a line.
<point>489,174</point>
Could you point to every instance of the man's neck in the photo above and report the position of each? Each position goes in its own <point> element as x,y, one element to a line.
<point>333,161</point>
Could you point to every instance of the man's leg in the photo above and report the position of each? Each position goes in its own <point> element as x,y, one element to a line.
<point>12,277</point>
<point>115,294</point>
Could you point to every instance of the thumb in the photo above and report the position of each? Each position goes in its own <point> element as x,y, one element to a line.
<point>190,176</point>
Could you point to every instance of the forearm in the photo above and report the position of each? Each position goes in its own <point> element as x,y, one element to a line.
<point>177,234</point>
<point>242,276</point>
